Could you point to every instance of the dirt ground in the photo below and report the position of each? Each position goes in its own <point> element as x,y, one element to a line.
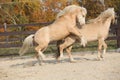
<point>86,68</point>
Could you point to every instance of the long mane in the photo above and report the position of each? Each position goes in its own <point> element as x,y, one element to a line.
<point>104,15</point>
<point>70,9</point>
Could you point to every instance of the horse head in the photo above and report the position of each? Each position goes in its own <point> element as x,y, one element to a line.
<point>114,17</point>
<point>81,15</point>
<point>105,15</point>
<point>75,12</point>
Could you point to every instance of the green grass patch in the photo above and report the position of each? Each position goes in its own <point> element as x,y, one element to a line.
<point>91,46</point>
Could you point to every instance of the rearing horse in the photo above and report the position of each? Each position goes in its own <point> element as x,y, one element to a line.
<point>62,27</point>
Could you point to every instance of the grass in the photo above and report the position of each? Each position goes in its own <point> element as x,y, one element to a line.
<point>91,46</point>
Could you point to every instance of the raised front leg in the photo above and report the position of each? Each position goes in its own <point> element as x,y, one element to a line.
<point>76,32</point>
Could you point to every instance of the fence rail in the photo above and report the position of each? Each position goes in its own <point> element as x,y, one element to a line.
<point>32,24</point>
<point>17,42</point>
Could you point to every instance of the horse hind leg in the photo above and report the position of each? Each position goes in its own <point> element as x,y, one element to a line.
<point>40,56</point>
<point>39,59</point>
<point>68,50</point>
<point>76,32</point>
<point>57,55</point>
<point>61,47</point>
<point>66,44</point>
<point>60,56</point>
<point>104,47</point>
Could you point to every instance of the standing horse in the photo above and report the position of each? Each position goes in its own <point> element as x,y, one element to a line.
<point>96,29</point>
<point>62,27</point>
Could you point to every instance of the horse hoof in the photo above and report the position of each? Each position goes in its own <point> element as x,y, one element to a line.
<point>41,64</point>
<point>59,60</point>
<point>100,59</point>
<point>73,61</point>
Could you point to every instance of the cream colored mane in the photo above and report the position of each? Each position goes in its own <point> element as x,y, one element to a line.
<point>104,15</point>
<point>70,9</point>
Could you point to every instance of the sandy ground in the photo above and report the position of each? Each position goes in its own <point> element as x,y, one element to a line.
<point>86,68</point>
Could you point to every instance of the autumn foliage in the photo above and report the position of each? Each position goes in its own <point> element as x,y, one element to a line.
<point>35,11</point>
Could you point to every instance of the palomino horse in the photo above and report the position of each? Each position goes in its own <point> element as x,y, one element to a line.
<point>96,29</point>
<point>62,27</point>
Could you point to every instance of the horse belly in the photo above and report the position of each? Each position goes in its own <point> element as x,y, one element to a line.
<point>91,37</point>
<point>58,36</point>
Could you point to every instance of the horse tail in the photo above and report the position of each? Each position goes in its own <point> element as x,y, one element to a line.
<point>27,43</point>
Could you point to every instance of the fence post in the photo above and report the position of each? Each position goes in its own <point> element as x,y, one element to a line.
<point>118,36</point>
<point>5,29</point>
<point>21,38</point>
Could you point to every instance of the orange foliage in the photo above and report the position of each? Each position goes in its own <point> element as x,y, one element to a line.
<point>35,12</point>
<point>29,28</point>
<point>2,30</point>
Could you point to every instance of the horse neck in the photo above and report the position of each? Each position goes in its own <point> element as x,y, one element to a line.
<point>107,23</point>
<point>67,18</point>
<point>71,18</point>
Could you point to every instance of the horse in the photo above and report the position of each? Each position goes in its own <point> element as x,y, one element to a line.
<point>95,29</point>
<point>59,29</point>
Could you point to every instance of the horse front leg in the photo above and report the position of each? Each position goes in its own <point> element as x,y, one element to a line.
<point>76,32</point>
<point>100,50</point>
<point>104,45</point>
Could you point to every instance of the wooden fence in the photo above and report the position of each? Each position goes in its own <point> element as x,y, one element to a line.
<point>9,41</point>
